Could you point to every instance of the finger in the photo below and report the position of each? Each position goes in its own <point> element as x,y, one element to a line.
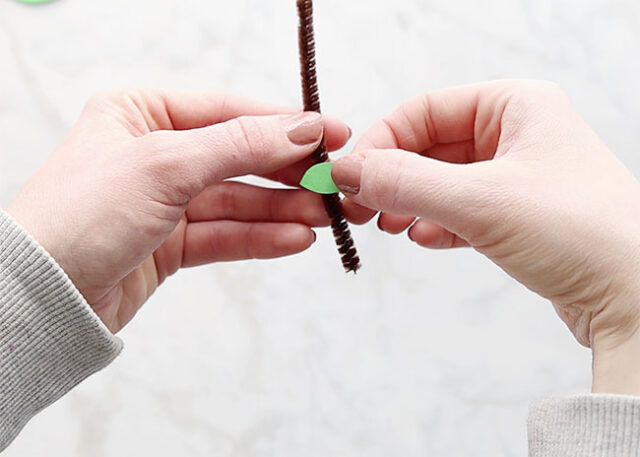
<point>221,241</point>
<point>394,224</point>
<point>188,161</point>
<point>357,214</point>
<point>192,110</point>
<point>460,114</point>
<point>182,110</point>
<point>243,202</point>
<point>336,135</point>
<point>187,110</point>
<point>459,152</point>
<point>292,175</point>
<point>430,235</point>
<point>407,184</point>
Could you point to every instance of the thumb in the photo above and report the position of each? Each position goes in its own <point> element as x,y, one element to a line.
<point>407,184</point>
<point>194,159</point>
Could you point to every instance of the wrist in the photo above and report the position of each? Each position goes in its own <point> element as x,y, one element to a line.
<point>616,365</point>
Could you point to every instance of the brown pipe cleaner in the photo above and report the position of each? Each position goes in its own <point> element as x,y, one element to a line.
<point>311,97</point>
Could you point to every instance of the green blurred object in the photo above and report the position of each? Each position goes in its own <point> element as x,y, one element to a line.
<point>34,2</point>
<point>318,179</point>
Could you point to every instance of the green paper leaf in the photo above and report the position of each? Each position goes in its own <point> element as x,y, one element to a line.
<point>318,179</point>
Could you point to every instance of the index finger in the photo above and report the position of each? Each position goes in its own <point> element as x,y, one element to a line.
<point>192,110</point>
<point>445,118</point>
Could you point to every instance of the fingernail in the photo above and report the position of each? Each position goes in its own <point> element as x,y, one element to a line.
<point>304,128</point>
<point>346,174</point>
<point>315,236</point>
<point>350,133</point>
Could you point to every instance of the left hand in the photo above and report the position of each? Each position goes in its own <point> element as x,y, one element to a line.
<point>136,191</point>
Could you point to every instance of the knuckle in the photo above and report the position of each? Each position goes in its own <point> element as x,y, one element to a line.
<point>247,138</point>
<point>532,93</point>
<point>228,198</point>
<point>550,86</point>
<point>213,241</point>
<point>387,182</point>
<point>128,99</point>
<point>98,101</point>
<point>251,240</point>
<point>111,96</point>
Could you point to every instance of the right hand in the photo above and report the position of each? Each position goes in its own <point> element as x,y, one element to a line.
<point>510,169</point>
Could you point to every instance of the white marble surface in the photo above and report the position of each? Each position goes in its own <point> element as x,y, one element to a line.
<point>423,353</point>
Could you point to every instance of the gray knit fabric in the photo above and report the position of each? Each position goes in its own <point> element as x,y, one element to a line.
<point>585,426</point>
<point>50,339</point>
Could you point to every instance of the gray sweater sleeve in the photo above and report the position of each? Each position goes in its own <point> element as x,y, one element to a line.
<point>585,426</point>
<point>50,339</point>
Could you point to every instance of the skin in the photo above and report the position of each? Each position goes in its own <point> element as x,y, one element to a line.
<point>138,190</point>
<point>510,169</point>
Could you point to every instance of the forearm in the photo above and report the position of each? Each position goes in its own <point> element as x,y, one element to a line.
<point>50,339</point>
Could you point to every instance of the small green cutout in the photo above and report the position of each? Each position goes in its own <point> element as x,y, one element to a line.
<point>318,179</point>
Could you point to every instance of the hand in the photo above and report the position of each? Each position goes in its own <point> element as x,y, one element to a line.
<point>510,169</point>
<point>136,191</point>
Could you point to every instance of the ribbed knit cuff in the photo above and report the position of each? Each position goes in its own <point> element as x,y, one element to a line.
<point>50,339</point>
<point>585,426</point>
